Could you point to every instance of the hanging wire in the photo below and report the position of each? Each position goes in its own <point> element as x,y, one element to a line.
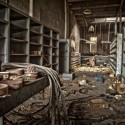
<point>56,99</point>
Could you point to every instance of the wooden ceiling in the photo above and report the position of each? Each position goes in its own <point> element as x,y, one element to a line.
<point>99,9</point>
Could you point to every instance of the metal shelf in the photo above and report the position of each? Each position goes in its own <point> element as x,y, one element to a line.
<point>21,33</point>
<point>18,40</point>
<point>35,44</point>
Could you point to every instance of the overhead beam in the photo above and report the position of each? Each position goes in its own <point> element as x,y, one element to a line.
<point>94,3</point>
<point>100,10</point>
<point>95,7</point>
<point>97,15</point>
<point>76,0</point>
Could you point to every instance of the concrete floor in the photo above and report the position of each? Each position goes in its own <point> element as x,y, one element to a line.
<point>78,98</point>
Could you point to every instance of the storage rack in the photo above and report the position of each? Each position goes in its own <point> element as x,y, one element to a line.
<point>113,54</point>
<point>47,46</point>
<point>116,54</point>
<point>35,42</point>
<point>26,40</point>
<point>18,37</point>
<point>4,27</point>
<point>55,50</point>
<point>123,57</point>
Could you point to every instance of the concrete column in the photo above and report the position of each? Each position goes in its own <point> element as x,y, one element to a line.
<point>65,31</point>
<point>31,8</point>
<point>1,120</point>
<point>115,28</point>
<point>120,21</point>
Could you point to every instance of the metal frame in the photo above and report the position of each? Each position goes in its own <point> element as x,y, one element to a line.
<point>19,96</point>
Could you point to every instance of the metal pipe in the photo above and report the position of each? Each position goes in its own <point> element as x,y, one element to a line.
<point>1,120</point>
<point>65,31</point>
<point>120,8</point>
<point>115,28</point>
<point>109,31</point>
<point>31,8</point>
<point>120,21</point>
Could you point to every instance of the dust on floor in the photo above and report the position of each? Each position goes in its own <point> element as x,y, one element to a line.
<point>91,99</point>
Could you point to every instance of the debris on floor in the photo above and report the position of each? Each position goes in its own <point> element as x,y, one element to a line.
<point>91,99</point>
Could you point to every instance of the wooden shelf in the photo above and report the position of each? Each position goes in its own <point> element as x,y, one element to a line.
<point>47,46</point>
<point>47,36</point>
<point>25,34</point>
<point>18,26</point>
<point>3,21</point>
<point>33,32</point>
<point>55,47</point>
<point>35,55</point>
<point>18,54</point>
<point>55,39</point>
<point>35,44</point>
<point>18,40</point>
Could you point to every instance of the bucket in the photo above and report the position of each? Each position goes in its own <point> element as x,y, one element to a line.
<point>100,78</point>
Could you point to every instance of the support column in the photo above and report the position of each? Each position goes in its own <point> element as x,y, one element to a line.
<point>120,20</point>
<point>31,8</point>
<point>1,120</point>
<point>115,28</point>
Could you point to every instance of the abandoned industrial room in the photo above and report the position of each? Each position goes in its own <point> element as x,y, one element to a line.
<point>62,62</point>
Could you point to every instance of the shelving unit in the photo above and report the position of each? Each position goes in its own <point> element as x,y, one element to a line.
<point>47,46</point>
<point>4,26</point>
<point>123,57</point>
<point>18,37</point>
<point>35,42</point>
<point>115,54</point>
<point>24,39</point>
<point>55,50</point>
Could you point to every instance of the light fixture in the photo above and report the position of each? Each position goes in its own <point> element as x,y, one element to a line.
<point>87,11</point>
<point>93,39</point>
<point>91,28</point>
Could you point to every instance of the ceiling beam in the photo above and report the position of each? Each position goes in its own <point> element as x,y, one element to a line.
<point>98,15</point>
<point>76,0</point>
<point>101,10</point>
<point>95,7</point>
<point>94,3</point>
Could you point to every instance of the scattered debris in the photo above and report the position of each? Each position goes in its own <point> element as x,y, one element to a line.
<point>88,102</point>
<point>99,103</point>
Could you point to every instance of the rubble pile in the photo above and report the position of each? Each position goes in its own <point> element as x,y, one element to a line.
<point>91,101</point>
